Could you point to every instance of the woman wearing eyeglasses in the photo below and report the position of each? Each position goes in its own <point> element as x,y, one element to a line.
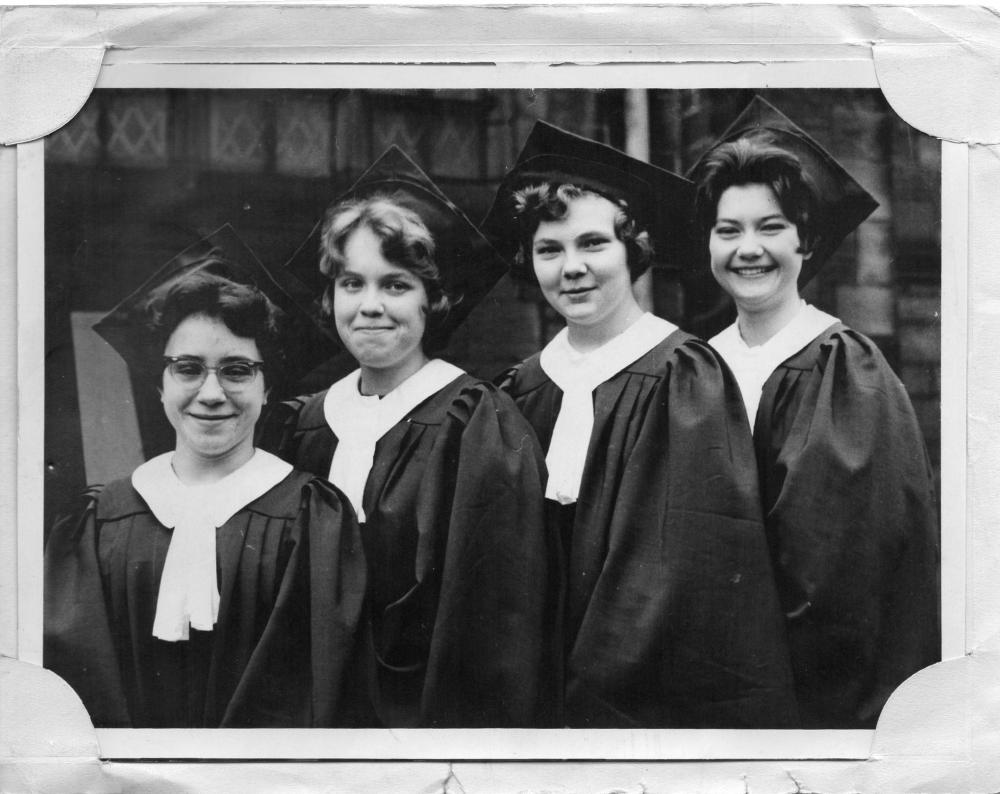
<point>180,596</point>
<point>445,474</point>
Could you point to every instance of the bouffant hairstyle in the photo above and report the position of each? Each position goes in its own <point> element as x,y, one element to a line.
<point>215,287</point>
<point>755,159</point>
<point>405,241</point>
<point>551,202</point>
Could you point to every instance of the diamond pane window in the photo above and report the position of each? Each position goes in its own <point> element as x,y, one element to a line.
<point>137,129</point>
<point>456,146</point>
<point>303,137</point>
<point>78,141</point>
<point>403,129</point>
<point>237,140</point>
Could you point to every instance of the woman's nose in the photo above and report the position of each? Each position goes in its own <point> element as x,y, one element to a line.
<point>750,247</point>
<point>211,390</point>
<point>574,264</point>
<point>371,302</point>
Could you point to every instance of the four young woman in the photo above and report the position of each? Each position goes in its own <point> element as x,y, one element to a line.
<point>603,541</point>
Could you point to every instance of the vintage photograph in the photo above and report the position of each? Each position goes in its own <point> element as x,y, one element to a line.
<point>491,408</point>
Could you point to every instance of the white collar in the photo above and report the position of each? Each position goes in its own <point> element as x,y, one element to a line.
<point>752,366</point>
<point>565,364</point>
<point>359,421</point>
<point>189,592</point>
<point>578,375</point>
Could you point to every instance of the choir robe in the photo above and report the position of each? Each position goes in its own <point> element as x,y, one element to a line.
<point>286,557</point>
<point>464,581</point>
<point>672,619</point>
<point>852,519</point>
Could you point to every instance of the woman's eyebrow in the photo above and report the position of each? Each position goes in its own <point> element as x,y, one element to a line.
<point>778,216</point>
<point>203,359</point>
<point>398,275</point>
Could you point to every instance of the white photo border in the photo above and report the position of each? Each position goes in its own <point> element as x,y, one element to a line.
<point>577,744</point>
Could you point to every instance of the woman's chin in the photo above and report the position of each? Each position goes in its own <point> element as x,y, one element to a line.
<point>387,358</point>
<point>753,297</point>
<point>582,314</point>
<point>210,451</point>
<point>375,362</point>
<point>374,355</point>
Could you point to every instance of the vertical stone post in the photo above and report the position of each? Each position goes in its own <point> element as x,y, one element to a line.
<point>866,302</point>
<point>637,145</point>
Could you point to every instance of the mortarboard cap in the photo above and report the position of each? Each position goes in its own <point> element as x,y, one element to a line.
<point>658,200</point>
<point>842,203</point>
<point>304,344</point>
<point>468,264</point>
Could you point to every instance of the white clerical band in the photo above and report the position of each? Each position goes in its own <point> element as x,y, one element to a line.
<point>359,421</point>
<point>578,375</point>
<point>752,366</point>
<point>189,589</point>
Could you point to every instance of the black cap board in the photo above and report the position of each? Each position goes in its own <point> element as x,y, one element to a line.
<point>842,202</point>
<point>304,344</point>
<point>469,266</point>
<point>658,200</point>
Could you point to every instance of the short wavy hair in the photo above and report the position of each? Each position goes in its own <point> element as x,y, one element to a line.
<point>406,241</point>
<point>215,287</point>
<point>757,159</point>
<point>551,202</point>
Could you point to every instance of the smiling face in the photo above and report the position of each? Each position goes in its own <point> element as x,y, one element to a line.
<point>582,266</point>
<point>380,310</point>
<point>214,427</point>
<point>755,250</point>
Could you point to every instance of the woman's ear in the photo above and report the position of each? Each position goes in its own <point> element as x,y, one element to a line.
<point>808,246</point>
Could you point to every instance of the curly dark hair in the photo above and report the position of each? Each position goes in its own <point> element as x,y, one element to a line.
<point>756,159</point>
<point>216,287</point>
<point>546,201</point>
<point>406,242</point>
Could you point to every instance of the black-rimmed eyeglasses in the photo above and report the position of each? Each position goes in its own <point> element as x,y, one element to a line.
<point>192,373</point>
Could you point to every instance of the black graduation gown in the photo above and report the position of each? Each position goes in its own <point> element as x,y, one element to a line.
<point>851,515</point>
<point>464,582</point>
<point>672,618</point>
<point>257,667</point>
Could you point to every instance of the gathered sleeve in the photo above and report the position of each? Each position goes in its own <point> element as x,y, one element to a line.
<point>494,657</point>
<point>291,584</point>
<point>79,643</point>
<point>461,626</point>
<point>337,578</point>
<point>721,560</point>
<point>299,666</point>
<point>682,626</point>
<point>851,513</point>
